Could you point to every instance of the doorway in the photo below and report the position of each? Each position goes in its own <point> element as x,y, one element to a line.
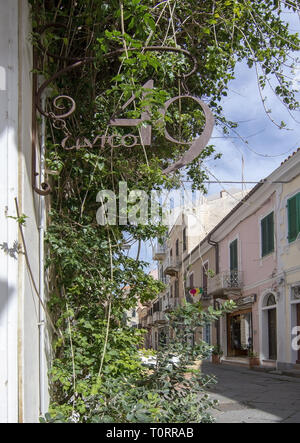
<point>272,328</point>
<point>240,333</point>
<point>269,328</point>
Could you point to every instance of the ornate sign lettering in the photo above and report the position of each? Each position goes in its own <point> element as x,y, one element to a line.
<point>144,137</point>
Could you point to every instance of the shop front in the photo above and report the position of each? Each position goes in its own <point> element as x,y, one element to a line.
<point>240,329</point>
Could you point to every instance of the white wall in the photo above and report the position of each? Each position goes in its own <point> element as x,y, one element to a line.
<point>20,393</point>
<point>8,227</point>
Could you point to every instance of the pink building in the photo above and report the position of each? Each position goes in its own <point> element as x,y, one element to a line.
<point>249,270</point>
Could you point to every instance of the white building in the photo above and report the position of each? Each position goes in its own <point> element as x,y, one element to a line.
<point>23,368</point>
<point>193,223</point>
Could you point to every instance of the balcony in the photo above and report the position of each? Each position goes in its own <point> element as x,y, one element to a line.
<point>226,284</point>
<point>144,322</point>
<point>172,266</point>
<point>159,317</point>
<point>149,320</point>
<point>172,304</point>
<point>160,252</point>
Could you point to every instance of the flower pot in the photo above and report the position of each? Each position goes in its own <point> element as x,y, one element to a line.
<point>216,359</point>
<point>254,362</point>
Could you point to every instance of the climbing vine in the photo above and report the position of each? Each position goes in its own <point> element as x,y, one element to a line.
<point>96,366</point>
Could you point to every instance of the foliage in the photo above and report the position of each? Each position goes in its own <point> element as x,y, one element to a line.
<point>20,220</point>
<point>217,350</point>
<point>175,391</point>
<point>96,374</point>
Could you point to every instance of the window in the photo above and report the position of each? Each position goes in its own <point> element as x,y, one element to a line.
<point>294,217</point>
<point>296,293</point>
<point>234,256</point>
<point>176,289</point>
<point>207,334</point>
<point>184,239</point>
<point>205,279</point>
<point>177,248</point>
<point>192,281</point>
<point>271,301</point>
<point>267,234</point>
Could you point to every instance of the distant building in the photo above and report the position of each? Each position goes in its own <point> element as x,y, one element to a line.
<point>251,256</point>
<point>192,225</point>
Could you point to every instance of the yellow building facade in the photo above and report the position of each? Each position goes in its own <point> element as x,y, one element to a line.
<point>289,264</point>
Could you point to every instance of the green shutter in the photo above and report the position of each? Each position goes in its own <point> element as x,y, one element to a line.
<point>271,233</point>
<point>234,256</point>
<point>264,237</point>
<point>294,217</point>
<point>267,235</point>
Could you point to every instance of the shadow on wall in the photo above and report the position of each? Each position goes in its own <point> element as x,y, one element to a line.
<point>6,293</point>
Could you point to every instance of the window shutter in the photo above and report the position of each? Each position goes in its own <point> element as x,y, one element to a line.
<point>264,236</point>
<point>267,232</point>
<point>294,217</point>
<point>271,233</point>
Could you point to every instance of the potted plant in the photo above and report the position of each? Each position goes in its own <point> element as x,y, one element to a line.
<point>216,355</point>
<point>253,359</point>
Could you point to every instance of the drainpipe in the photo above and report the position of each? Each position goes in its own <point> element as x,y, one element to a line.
<point>216,246</point>
<point>42,366</point>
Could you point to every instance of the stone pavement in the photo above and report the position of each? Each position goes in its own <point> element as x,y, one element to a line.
<point>247,396</point>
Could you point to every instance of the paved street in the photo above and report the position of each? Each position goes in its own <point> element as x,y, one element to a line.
<point>254,397</point>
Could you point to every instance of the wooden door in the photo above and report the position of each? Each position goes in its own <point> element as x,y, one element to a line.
<point>272,317</point>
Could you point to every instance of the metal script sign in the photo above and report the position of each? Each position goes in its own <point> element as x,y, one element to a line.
<point>70,142</point>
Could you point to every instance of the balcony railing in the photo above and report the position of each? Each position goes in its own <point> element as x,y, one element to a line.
<point>224,282</point>
<point>160,251</point>
<point>144,322</point>
<point>172,266</point>
<point>172,304</point>
<point>149,320</point>
<point>159,317</point>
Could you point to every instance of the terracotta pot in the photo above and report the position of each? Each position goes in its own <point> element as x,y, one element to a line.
<point>254,361</point>
<point>216,359</point>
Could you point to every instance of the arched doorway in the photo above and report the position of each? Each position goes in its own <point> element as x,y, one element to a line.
<point>269,319</point>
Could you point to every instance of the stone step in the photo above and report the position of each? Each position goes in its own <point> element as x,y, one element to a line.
<point>235,361</point>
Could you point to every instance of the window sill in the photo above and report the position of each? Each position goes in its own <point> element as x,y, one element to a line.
<point>267,255</point>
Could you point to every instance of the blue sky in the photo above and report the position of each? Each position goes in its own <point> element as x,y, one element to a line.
<point>272,145</point>
<point>267,145</point>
